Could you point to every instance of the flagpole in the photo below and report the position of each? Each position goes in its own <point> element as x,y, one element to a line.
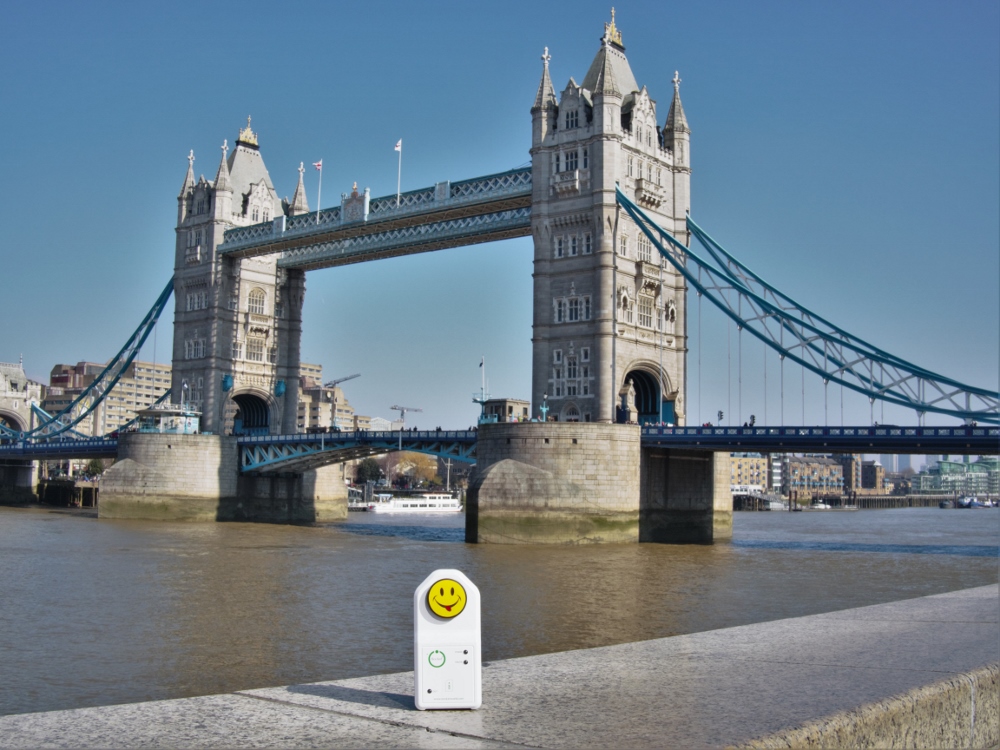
<point>399,170</point>
<point>319,194</point>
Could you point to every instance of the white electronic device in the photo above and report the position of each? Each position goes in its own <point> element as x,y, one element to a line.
<point>447,642</point>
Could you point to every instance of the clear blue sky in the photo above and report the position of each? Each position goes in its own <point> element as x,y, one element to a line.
<point>847,152</point>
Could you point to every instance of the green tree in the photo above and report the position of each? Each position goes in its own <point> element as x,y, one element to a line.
<point>367,471</point>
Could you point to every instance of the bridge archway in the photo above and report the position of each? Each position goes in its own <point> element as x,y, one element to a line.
<point>253,415</point>
<point>650,405</point>
<point>570,413</point>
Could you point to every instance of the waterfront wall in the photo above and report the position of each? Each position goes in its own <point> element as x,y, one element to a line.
<point>197,478</point>
<point>576,483</point>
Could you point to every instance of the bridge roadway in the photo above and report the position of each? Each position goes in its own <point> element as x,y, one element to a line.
<point>295,453</point>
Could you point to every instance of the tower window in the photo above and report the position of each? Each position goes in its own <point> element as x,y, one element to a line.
<point>571,160</point>
<point>255,349</point>
<point>586,313</point>
<point>585,355</point>
<point>557,356</point>
<point>255,301</point>
<point>559,247</point>
<point>645,311</point>
<point>558,162</point>
<point>573,244</point>
<point>645,249</point>
<point>572,119</point>
<point>586,157</point>
<point>588,245</point>
<point>574,309</point>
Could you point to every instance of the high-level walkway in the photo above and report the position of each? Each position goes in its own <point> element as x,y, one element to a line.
<point>915,673</point>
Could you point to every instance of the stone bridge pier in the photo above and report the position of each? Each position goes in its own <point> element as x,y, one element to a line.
<point>197,478</point>
<point>579,483</point>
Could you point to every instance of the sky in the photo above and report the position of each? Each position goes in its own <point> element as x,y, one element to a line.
<point>847,152</point>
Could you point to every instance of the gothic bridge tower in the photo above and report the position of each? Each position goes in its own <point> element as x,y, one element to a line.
<point>237,322</point>
<point>609,333</point>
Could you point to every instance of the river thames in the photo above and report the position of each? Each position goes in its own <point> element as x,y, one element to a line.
<point>98,612</point>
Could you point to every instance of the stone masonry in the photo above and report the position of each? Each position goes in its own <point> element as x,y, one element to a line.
<point>554,483</point>
<point>196,478</point>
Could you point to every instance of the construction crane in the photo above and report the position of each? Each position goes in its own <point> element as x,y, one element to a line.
<point>335,383</point>
<point>402,420</point>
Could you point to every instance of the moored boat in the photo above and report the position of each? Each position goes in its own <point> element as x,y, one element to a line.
<point>432,502</point>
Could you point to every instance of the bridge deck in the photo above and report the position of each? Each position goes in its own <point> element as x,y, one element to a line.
<point>302,452</point>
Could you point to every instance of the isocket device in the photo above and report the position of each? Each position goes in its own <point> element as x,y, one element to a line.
<point>447,642</point>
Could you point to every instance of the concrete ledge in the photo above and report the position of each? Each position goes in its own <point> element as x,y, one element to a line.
<point>962,711</point>
<point>916,673</point>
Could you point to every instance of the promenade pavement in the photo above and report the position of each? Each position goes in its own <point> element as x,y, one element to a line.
<point>919,672</point>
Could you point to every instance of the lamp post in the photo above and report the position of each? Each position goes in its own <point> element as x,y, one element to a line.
<point>545,407</point>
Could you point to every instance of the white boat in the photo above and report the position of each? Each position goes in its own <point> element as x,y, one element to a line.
<point>428,503</point>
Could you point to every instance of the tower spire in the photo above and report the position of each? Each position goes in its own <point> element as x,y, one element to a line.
<point>606,82</point>
<point>676,120</point>
<point>299,204</point>
<point>222,176</point>
<point>189,177</point>
<point>546,96</point>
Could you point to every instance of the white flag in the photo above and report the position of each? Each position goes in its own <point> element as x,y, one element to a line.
<point>399,145</point>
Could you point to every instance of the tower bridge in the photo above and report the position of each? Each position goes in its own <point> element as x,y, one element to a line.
<point>606,201</point>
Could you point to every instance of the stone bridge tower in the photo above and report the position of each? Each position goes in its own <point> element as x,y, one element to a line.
<point>609,334</point>
<point>237,322</point>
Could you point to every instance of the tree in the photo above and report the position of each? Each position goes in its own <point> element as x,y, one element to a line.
<point>367,471</point>
<point>95,467</point>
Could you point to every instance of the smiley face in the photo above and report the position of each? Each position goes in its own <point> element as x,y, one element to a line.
<point>446,598</point>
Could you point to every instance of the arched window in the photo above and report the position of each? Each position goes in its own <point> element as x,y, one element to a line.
<point>255,301</point>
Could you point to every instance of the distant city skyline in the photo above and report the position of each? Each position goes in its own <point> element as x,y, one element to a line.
<point>847,153</point>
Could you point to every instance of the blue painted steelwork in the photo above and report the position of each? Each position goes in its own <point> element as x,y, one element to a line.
<point>419,238</point>
<point>448,214</point>
<point>804,337</point>
<point>87,401</point>
<point>44,416</point>
<point>294,453</point>
<point>273,453</point>
<point>58,448</point>
<point>967,441</point>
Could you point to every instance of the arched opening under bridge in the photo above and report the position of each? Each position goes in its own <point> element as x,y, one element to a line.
<point>650,408</point>
<point>253,415</point>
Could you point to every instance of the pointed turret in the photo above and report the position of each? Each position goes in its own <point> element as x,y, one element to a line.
<point>545,109</point>
<point>676,121</point>
<point>189,177</point>
<point>222,176</point>
<point>299,204</point>
<point>184,197</point>
<point>546,96</point>
<point>605,82</point>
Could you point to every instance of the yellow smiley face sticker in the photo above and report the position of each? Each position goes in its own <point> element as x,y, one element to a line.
<point>446,598</point>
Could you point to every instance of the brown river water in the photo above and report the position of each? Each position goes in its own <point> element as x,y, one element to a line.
<point>96,612</point>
